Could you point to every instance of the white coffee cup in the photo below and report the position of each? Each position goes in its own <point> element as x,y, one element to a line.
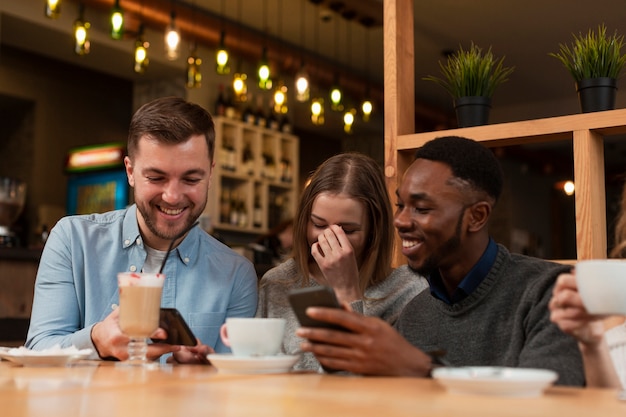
<point>602,285</point>
<point>253,336</point>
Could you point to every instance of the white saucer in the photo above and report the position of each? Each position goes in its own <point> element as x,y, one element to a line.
<point>501,381</point>
<point>25,357</point>
<point>229,364</point>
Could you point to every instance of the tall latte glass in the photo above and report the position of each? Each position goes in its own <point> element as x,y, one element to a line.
<point>140,301</point>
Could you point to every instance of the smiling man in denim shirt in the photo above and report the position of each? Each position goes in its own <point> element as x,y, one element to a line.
<point>171,146</point>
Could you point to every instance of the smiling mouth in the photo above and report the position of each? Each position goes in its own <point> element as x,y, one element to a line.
<point>407,244</point>
<point>171,212</point>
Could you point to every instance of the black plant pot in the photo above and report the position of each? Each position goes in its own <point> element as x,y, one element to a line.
<point>597,94</point>
<point>472,111</point>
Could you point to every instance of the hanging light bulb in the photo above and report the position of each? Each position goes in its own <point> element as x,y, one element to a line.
<point>81,32</point>
<point>264,72</point>
<point>53,9</point>
<point>366,108</point>
<point>317,111</point>
<point>348,120</point>
<point>117,21</point>
<point>302,85</point>
<point>280,99</point>
<point>141,52</point>
<point>335,99</point>
<point>240,86</point>
<point>172,38</point>
<point>194,76</point>
<point>221,57</point>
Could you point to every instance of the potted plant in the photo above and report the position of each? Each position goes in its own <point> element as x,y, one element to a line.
<point>595,60</point>
<point>471,78</point>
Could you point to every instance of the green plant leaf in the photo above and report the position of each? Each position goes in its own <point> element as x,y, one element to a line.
<point>471,73</point>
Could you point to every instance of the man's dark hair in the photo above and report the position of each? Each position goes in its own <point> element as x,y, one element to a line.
<point>468,160</point>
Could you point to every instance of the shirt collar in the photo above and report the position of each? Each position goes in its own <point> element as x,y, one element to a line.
<point>187,250</point>
<point>470,282</point>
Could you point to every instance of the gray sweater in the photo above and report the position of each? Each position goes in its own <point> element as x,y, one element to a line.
<point>384,300</point>
<point>504,322</point>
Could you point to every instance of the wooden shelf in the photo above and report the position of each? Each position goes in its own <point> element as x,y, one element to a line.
<point>586,131</point>
<point>251,181</point>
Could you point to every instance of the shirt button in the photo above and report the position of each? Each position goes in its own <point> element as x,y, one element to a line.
<point>138,241</point>
<point>126,242</point>
<point>186,260</point>
<point>133,268</point>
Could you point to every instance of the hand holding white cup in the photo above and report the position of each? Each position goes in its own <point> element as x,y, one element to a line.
<point>602,285</point>
<point>253,336</point>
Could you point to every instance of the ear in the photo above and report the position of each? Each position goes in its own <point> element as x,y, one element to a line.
<point>478,215</point>
<point>129,171</point>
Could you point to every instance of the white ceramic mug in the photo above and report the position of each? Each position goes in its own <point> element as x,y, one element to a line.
<point>602,285</point>
<point>253,336</point>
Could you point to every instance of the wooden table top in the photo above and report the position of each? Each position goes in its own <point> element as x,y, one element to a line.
<point>185,391</point>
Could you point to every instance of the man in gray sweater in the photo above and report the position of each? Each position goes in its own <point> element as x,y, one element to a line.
<point>485,307</point>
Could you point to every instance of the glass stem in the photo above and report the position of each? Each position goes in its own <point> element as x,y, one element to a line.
<point>137,350</point>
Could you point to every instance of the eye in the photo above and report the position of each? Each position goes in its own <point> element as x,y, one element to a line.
<point>192,181</point>
<point>154,179</point>
<point>350,231</point>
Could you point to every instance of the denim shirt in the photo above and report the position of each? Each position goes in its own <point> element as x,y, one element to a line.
<point>76,283</point>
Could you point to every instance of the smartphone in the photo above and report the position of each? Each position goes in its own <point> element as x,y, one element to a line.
<point>178,332</point>
<point>302,298</point>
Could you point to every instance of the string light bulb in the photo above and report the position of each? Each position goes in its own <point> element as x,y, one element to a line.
<point>221,57</point>
<point>302,85</point>
<point>53,9</point>
<point>280,99</point>
<point>81,33</point>
<point>172,38</point>
<point>141,52</point>
<point>240,86</point>
<point>117,21</point>
<point>264,72</point>
<point>366,108</point>
<point>317,111</point>
<point>348,120</point>
<point>194,75</point>
<point>335,99</point>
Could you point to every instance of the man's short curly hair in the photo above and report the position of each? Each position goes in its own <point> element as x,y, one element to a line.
<point>468,160</point>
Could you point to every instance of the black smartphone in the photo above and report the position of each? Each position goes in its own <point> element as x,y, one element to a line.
<point>302,298</point>
<point>178,332</point>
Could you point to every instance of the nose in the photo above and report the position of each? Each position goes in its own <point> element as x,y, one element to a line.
<point>402,219</point>
<point>172,192</point>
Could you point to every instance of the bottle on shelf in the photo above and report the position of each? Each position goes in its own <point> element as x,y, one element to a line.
<point>220,102</point>
<point>248,159</point>
<point>285,124</point>
<point>228,155</point>
<point>285,170</point>
<point>225,205</point>
<point>269,169</point>
<point>257,213</point>
<point>242,218</point>
<point>230,109</point>
<point>272,120</point>
<point>248,113</point>
<point>259,113</point>
<point>234,209</point>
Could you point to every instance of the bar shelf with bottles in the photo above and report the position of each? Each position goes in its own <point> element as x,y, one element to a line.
<point>255,181</point>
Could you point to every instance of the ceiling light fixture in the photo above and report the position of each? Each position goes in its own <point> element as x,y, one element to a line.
<point>53,9</point>
<point>317,111</point>
<point>172,38</point>
<point>194,75</point>
<point>81,32</point>
<point>117,21</point>
<point>221,57</point>
<point>141,52</point>
<point>280,99</point>
<point>265,82</point>
<point>348,120</point>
